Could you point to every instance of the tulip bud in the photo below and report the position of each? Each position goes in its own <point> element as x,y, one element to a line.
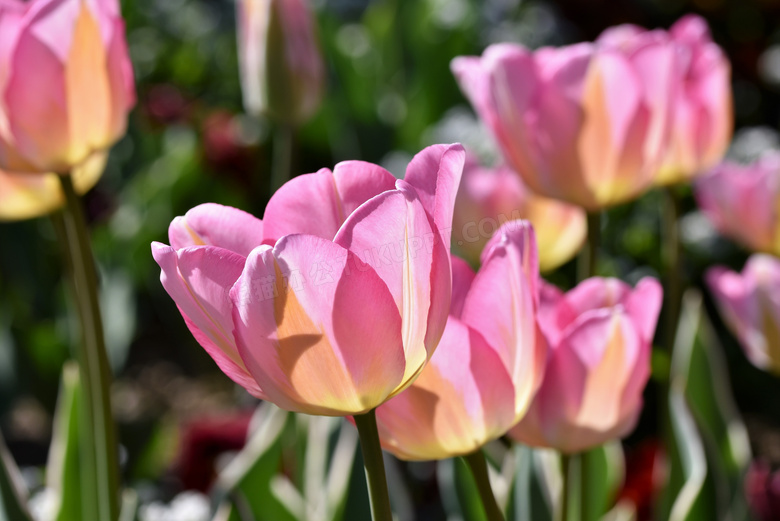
<point>742,201</point>
<point>66,84</point>
<point>750,306</point>
<point>490,197</point>
<point>600,336</point>
<point>587,123</point>
<point>282,73</point>
<point>702,120</point>
<point>489,362</point>
<point>24,196</point>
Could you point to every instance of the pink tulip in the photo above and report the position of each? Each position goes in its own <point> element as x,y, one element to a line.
<point>24,196</point>
<point>66,82</point>
<point>587,124</point>
<point>336,301</point>
<point>282,73</point>
<point>489,197</point>
<point>488,365</point>
<point>750,305</point>
<point>702,122</point>
<point>600,336</point>
<point>742,202</point>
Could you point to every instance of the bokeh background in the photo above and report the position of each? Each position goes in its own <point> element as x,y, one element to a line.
<point>389,93</point>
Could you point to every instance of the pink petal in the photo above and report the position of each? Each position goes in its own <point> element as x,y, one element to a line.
<point>462,278</point>
<point>501,305</point>
<point>392,234</point>
<point>199,279</point>
<point>317,329</point>
<point>217,225</point>
<point>643,305</point>
<point>462,400</point>
<point>318,204</point>
<point>435,174</point>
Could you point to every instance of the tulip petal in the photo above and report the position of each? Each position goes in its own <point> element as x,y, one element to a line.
<point>462,278</point>
<point>318,330</point>
<point>392,234</point>
<point>643,304</point>
<point>318,204</point>
<point>501,305</point>
<point>437,192</point>
<point>458,403</point>
<point>199,279</point>
<point>217,225</point>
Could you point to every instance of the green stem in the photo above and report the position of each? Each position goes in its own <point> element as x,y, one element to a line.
<point>100,465</point>
<point>374,465</point>
<point>282,158</point>
<point>673,264</point>
<point>587,264</point>
<point>571,491</point>
<point>478,466</point>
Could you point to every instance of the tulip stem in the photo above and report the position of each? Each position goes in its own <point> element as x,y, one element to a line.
<point>374,465</point>
<point>571,489</point>
<point>99,454</point>
<point>282,158</point>
<point>587,264</point>
<point>478,465</point>
<point>673,261</point>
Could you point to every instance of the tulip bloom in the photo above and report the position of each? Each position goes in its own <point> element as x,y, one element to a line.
<point>742,202</point>
<point>587,124</point>
<point>489,362</point>
<point>750,305</point>
<point>66,82</point>
<point>24,196</point>
<point>489,197</point>
<point>282,73</point>
<point>338,298</point>
<point>702,122</point>
<point>600,336</point>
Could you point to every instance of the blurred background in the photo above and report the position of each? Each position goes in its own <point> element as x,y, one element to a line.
<point>389,93</point>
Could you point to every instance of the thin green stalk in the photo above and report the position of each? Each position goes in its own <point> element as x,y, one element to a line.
<point>100,465</point>
<point>571,491</point>
<point>672,249</point>
<point>375,466</point>
<point>587,263</point>
<point>478,466</point>
<point>281,169</point>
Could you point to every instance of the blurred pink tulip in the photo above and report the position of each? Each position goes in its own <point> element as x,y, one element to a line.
<point>750,305</point>
<point>282,73</point>
<point>489,197</point>
<point>587,123</point>
<point>336,301</point>
<point>66,82</point>
<point>488,365</point>
<point>24,196</point>
<point>742,202</point>
<point>702,122</point>
<point>600,335</point>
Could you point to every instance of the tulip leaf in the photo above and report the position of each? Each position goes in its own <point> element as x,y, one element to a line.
<point>12,492</point>
<point>459,491</point>
<point>602,470</point>
<point>247,482</point>
<point>699,373</point>
<point>64,476</point>
<point>530,499</point>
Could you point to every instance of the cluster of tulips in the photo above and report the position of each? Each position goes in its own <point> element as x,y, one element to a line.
<point>345,299</point>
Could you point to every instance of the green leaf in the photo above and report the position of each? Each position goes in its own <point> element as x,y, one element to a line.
<point>531,498</point>
<point>602,471</point>
<point>698,372</point>
<point>248,482</point>
<point>63,475</point>
<point>12,492</point>
<point>459,490</point>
